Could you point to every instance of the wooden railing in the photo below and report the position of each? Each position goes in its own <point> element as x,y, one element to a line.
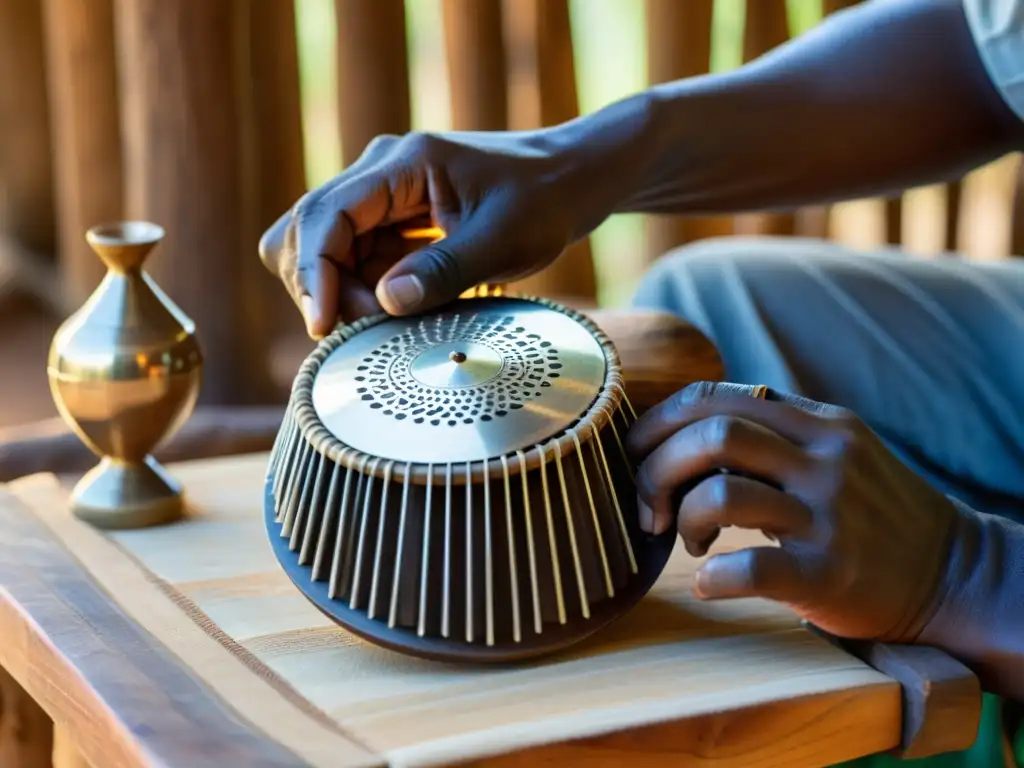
<point>188,113</point>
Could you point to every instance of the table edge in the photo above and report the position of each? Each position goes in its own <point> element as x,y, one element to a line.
<point>28,492</point>
<point>585,743</point>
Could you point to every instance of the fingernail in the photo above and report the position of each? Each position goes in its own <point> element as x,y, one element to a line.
<point>405,292</point>
<point>309,314</point>
<point>661,524</point>
<point>698,580</point>
<point>646,517</point>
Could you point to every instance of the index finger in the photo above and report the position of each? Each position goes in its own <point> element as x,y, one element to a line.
<point>326,221</point>
<point>795,418</point>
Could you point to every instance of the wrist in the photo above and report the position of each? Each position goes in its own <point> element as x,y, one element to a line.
<point>605,156</point>
<point>715,144</point>
<point>978,614</point>
<point>952,602</point>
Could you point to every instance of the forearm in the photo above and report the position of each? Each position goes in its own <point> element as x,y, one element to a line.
<point>981,620</point>
<point>888,95</point>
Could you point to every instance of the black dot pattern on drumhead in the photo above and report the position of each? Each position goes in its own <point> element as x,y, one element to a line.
<point>529,365</point>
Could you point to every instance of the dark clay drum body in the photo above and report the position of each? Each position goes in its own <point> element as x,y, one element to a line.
<point>455,486</point>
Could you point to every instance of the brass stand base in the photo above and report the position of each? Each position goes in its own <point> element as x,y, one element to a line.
<point>114,495</point>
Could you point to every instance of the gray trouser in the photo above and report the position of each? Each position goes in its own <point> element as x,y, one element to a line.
<point>929,353</point>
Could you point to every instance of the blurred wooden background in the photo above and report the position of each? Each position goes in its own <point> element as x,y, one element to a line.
<point>212,117</point>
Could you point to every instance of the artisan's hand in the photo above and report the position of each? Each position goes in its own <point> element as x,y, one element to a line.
<point>862,540</point>
<point>508,203</point>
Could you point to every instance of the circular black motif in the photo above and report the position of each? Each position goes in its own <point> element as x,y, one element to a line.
<point>529,365</point>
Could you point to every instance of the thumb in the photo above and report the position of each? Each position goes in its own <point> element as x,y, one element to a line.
<point>440,272</point>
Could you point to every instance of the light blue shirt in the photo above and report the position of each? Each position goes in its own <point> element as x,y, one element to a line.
<point>998,29</point>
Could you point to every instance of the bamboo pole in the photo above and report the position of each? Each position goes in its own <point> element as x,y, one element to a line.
<point>766,27</point>
<point>86,131</point>
<point>679,46</point>
<point>893,207</point>
<point>277,167</point>
<point>185,68</point>
<point>26,169</point>
<point>954,199</point>
<point>373,73</point>
<point>542,92</point>
<point>475,56</point>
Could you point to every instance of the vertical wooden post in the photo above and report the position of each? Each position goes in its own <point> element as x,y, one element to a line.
<point>87,133</point>
<point>26,169</point>
<point>373,72</point>
<point>679,46</point>
<point>182,67</point>
<point>954,197</point>
<point>893,206</point>
<point>767,26</point>
<point>277,107</point>
<point>832,6</point>
<point>542,92</point>
<point>278,171</point>
<point>475,53</point>
<point>815,221</point>
<point>894,220</point>
<point>1017,214</point>
<point>26,732</point>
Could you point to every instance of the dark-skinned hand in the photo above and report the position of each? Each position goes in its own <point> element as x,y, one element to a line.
<point>862,540</point>
<point>507,203</point>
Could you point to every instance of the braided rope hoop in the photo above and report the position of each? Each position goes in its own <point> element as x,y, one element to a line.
<point>610,401</point>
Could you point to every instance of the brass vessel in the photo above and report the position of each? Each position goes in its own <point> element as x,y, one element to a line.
<point>125,371</point>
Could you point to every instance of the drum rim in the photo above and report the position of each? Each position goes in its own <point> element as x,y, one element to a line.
<point>301,415</point>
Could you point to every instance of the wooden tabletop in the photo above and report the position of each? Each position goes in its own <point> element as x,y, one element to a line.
<point>187,646</point>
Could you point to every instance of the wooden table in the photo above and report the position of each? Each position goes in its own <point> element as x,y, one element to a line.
<point>187,646</point>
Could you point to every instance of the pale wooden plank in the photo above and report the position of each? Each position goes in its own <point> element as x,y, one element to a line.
<point>65,752</point>
<point>746,666</point>
<point>121,696</point>
<point>733,657</point>
<point>102,674</point>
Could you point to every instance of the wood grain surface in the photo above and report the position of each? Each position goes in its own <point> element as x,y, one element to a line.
<point>675,682</point>
<point>941,697</point>
<point>26,736</point>
<point>122,695</point>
